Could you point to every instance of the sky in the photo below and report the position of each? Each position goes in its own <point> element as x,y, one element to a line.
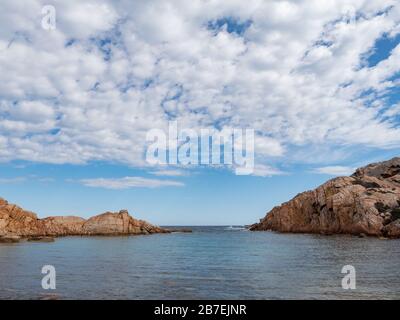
<point>317,81</point>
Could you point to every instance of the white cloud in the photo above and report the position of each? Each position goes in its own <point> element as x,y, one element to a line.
<point>31,111</point>
<point>112,70</point>
<point>129,182</point>
<point>84,19</point>
<point>21,179</point>
<point>266,171</point>
<point>170,173</point>
<point>393,111</point>
<point>12,180</point>
<point>335,170</point>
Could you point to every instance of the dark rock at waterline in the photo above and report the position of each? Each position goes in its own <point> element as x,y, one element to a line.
<point>10,239</point>
<point>41,239</point>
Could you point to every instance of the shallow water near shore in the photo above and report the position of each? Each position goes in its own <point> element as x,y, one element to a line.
<point>210,263</point>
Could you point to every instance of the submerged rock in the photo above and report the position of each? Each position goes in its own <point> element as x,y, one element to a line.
<point>16,221</point>
<point>367,203</point>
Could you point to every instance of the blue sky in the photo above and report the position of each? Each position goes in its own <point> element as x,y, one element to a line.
<point>208,197</point>
<point>317,81</point>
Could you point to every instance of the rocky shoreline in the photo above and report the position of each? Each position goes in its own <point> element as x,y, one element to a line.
<point>17,223</point>
<point>366,203</point>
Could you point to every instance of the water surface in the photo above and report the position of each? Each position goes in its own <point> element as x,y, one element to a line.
<point>210,263</point>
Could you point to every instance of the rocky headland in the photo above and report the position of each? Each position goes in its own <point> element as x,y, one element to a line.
<point>16,223</point>
<point>366,203</point>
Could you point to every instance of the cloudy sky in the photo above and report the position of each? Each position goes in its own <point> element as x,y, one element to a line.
<point>318,81</point>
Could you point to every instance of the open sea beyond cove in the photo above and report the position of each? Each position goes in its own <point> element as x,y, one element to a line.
<point>210,263</point>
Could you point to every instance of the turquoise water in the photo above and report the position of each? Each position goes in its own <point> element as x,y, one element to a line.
<point>210,263</point>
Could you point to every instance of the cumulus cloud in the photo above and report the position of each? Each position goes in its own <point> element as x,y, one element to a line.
<point>295,71</point>
<point>129,182</point>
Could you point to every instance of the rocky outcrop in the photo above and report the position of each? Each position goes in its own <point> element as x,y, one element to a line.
<point>118,223</point>
<point>368,202</point>
<point>16,222</point>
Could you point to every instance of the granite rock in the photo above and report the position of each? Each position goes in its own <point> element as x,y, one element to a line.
<point>368,202</point>
<point>15,221</point>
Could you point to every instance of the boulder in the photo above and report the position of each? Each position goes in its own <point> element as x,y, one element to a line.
<point>392,230</point>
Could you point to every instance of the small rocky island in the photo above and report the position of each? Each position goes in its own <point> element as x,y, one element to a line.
<point>366,203</point>
<point>16,223</point>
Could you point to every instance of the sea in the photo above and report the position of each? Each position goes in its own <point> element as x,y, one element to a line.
<point>223,262</point>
